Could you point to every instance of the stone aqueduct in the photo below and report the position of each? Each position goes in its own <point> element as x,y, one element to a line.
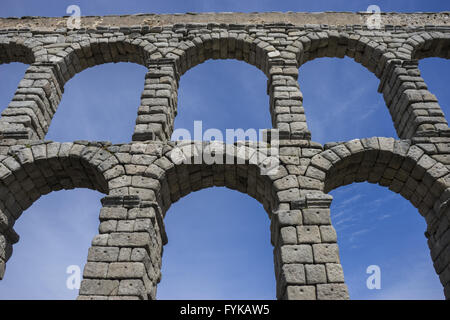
<point>141,181</point>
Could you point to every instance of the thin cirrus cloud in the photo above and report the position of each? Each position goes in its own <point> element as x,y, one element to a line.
<point>335,94</point>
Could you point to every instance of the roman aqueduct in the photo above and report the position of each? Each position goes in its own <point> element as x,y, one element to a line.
<point>141,179</point>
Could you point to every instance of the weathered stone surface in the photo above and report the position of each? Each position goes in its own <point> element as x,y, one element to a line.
<point>95,270</point>
<point>296,254</point>
<point>316,216</point>
<point>131,288</point>
<point>294,273</point>
<point>315,273</point>
<point>334,272</point>
<point>126,270</point>
<point>308,234</point>
<point>113,213</point>
<point>106,254</point>
<point>289,174</point>
<point>129,239</point>
<point>289,218</point>
<point>289,235</point>
<point>332,292</point>
<point>326,253</point>
<point>99,287</point>
<point>328,234</point>
<point>301,293</point>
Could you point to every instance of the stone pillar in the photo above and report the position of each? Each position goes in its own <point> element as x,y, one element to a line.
<point>306,253</point>
<point>5,253</point>
<point>31,110</point>
<point>438,235</point>
<point>158,108</point>
<point>286,106</point>
<point>414,110</point>
<point>124,261</point>
<point>8,237</point>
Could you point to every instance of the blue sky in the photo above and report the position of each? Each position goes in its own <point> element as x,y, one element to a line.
<point>219,241</point>
<point>104,7</point>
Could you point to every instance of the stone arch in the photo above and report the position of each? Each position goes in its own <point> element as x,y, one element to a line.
<point>333,44</point>
<point>223,44</point>
<point>77,56</point>
<point>238,218</point>
<point>38,96</point>
<point>235,177</point>
<point>210,78</point>
<point>428,44</point>
<point>31,171</point>
<point>414,109</point>
<point>142,196</point>
<point>156,118</point>
<point>236,168</point>
<point>158,109</point>
<point>360,86</point>
<point>17,50</point>
<point>369,53</point>
<point>404,168</point>
<point>26,51</point>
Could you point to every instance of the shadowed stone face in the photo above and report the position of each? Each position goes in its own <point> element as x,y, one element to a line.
<point>141,179</point>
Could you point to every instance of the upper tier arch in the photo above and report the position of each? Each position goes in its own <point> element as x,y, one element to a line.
<point>367,51</point>
<point>428,45</point>
<point>77,56</point>
<point>17,50</point>
<point>237,45</point>
<point>404,168</point>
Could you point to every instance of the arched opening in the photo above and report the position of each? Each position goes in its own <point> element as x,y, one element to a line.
<point>237,45</point>
<point>10,74</point>
<point>436,46</point>
<point>16,49</point>
<point>378,227</point>
<point>404,169</point>
<point>340,117</point>
<point>99,104</point>
<point>436,73</point>
<point>222,94</point>
<point>56,233</point>
<point>218,251</point>
<point>341,101</point>
<point>36,169</point>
